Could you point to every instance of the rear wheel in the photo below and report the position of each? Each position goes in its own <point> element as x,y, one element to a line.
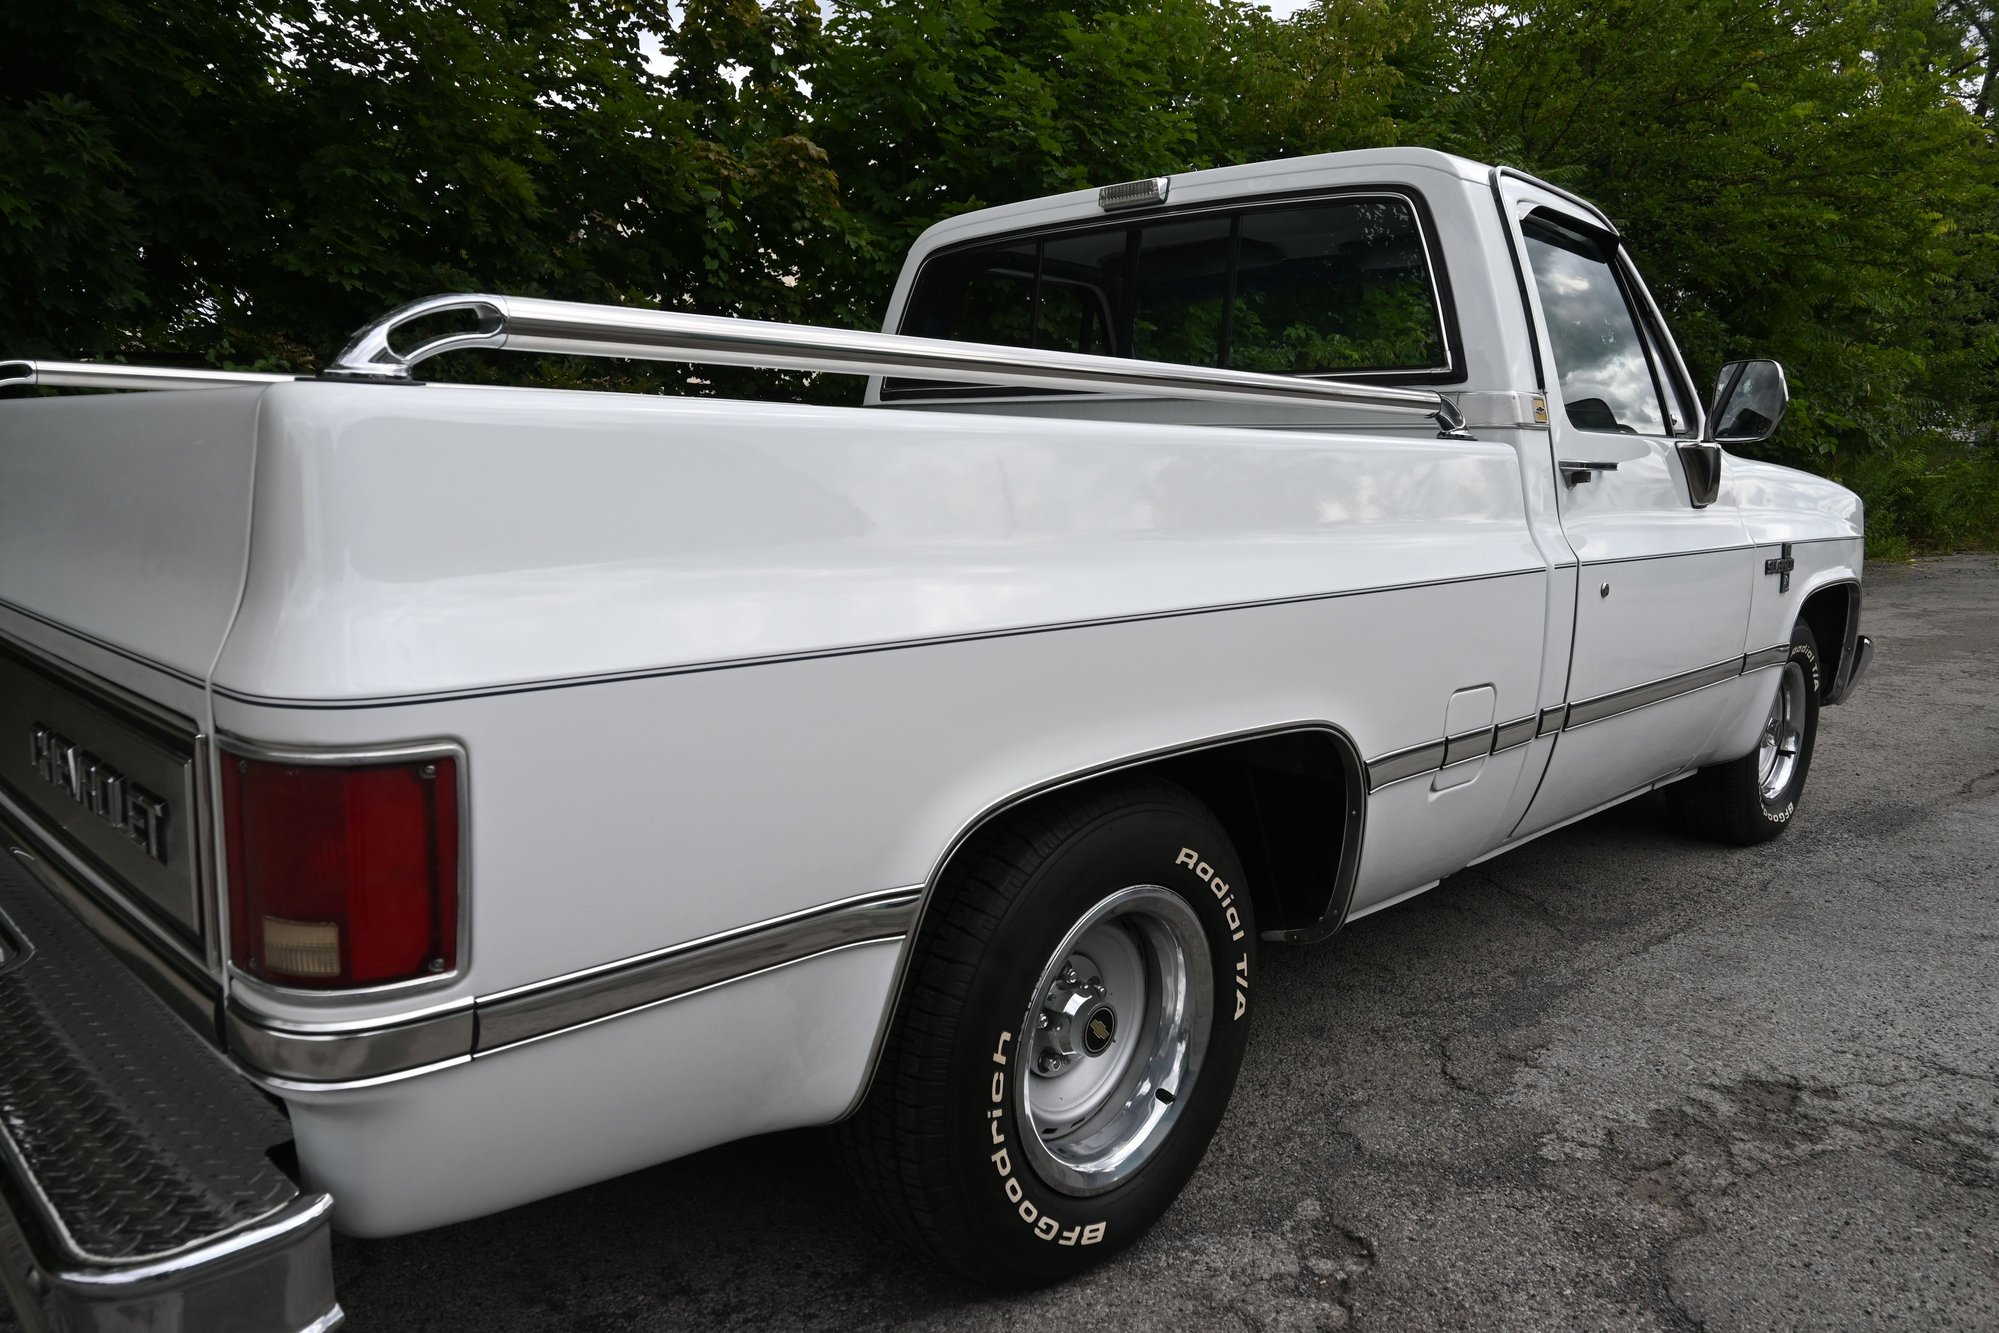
<point>1073,1020</point>
<point>1751,799</point>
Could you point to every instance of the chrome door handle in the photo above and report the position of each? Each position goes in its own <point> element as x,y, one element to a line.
<point>1575,473</point>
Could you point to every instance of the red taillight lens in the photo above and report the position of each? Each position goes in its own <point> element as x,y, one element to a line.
<point>342,875</point>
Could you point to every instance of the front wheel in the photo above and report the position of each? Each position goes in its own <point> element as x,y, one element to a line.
<point>1751,799</point>
<point>1074,1017</point>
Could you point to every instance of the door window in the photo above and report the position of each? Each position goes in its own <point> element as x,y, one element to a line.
<point>1604,374</point>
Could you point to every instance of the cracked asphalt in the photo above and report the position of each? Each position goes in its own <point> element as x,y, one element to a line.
<point>1617,1079</point>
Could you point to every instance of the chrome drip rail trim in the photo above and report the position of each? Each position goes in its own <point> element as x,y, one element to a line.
<point>570,328</point>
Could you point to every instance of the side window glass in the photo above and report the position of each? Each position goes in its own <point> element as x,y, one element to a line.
<point>1342,285</point>
<point>1604,373</point>
<point>1180,297</point>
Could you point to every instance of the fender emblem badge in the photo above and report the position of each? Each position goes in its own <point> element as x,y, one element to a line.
<point>1782,565</point>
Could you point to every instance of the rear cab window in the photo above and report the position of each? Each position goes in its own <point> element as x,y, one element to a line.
<point>1345,286</point>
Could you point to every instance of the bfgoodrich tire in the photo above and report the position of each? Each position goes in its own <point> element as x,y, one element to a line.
<point>1071,1027</point>
<point>1752,799</point>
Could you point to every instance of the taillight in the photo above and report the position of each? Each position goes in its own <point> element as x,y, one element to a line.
<point>342,875</point>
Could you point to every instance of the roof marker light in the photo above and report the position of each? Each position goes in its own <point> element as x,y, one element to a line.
<point>1134,194</point>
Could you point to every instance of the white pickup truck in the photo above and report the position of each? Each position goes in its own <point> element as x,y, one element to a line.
<point>421,799</point>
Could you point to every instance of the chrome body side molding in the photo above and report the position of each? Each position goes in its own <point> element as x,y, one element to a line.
<point>1410,763</point>
<point>333,1055</point>
<point>1585,711</point>
<point>1766,657</point>
<point>540,1010</point>
<point>1468,745</point>
<point>1421,760</point>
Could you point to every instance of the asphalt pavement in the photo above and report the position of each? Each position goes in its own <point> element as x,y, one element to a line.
<point>1617,1079</point>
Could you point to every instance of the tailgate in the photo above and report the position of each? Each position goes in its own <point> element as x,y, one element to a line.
<point>125,518</point>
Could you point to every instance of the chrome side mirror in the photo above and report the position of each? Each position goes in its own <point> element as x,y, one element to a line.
<point>1749,402</point>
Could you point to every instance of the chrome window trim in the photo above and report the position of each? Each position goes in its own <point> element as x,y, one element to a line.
<point>347,757</point>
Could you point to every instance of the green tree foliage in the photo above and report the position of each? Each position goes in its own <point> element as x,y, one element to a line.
<point>246,182</point>
<point>242,181</point>
<point>1792,174</point>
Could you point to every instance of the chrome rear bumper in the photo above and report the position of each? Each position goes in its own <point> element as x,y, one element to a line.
<point>138,1188</point>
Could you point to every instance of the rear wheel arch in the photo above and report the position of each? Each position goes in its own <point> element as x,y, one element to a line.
<point>1270,789</point>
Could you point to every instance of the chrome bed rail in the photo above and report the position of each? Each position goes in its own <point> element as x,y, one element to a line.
<point>111,375</point>
<point>570,328</point>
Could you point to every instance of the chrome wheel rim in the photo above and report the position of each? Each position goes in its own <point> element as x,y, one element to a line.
<point>1783,735</point>
<point>1115,1030</point>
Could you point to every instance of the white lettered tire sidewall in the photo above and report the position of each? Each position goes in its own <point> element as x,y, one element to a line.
<point>1804,652</point>
<point>1033,1228</point>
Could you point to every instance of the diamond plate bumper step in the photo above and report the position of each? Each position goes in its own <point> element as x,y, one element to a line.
<point>137,1189</point>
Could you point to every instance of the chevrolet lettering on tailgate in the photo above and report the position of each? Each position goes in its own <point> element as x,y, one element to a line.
<point>102,790</point>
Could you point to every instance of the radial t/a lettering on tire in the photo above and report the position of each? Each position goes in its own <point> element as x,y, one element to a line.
<point>1070,1030</point>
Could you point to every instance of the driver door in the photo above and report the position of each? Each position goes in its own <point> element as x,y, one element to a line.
<point>1663,585</point>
